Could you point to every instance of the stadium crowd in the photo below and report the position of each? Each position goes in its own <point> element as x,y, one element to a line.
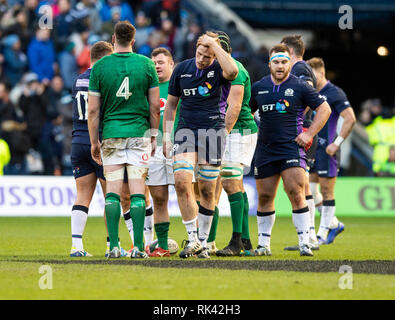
<point>38,67</point>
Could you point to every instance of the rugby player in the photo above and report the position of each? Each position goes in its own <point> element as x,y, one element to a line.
<point>85,170</point>
<point>281,99</point>
<point>326,166</point>
<point>202,83</point>
<point>239,151</point>
<point>160,171</point>
<point>127,85</point>
<point>302,70</point>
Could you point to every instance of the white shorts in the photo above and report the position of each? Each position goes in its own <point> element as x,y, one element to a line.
<point>133,151</point>
<point>239,148</point>
<point>160,170</point>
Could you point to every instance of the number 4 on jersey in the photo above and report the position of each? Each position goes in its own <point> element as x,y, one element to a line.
<point>123,91</point>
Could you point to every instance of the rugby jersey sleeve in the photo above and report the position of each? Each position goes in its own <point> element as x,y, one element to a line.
<point>341,102</point>
<point>310,96</point>
<point>94,81</point>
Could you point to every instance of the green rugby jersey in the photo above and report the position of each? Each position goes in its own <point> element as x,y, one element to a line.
<point>122,81</point>
<point>245,120</point>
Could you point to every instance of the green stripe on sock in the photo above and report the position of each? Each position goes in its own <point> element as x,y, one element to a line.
<point>137,210</point>
<point>214,224</point>
<point>245,233</point>
<point>112,209</point>
<point>236,201</point>
<point>162,232</point>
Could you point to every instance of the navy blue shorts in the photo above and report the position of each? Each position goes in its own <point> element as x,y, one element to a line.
<point>209,144</point>
<point>82,162</point>
<point>326,166</point>
<point>277,166</point>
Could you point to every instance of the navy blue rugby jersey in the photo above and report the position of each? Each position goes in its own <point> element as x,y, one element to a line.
<point>303,71</point>
<point>80,108</point>
<point>203,95</point>
<point>281,109</point>
<point>338,102</point>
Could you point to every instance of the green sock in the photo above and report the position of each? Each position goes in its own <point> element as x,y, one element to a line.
<point>162,231</point>
<point>112,209</point>
<point>245,233</point>
<point>214,224</point>
<point>137,210</point>
<point>236,201</point>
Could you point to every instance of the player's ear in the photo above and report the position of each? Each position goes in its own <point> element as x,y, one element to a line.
<point>132,43</point>
<point>113,39</point>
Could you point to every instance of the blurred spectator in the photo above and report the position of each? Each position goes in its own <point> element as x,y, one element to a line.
<point>107,29</point>
<point>172,8</point>
<point>155,39</point>
<point>32,16</point>
<point>13,127</point>
<point>90,9</point>
<point>41,55</point>
<point>143,30</point>
<point>20,27</point>
<point>371,109</point>
<point>169,32</point>
<point>194,31</point>
<point>15,61</point>
<point>33,103</point>
<point>63,24</point>
<point>52,144</point>
<point>84,58</point>
<point>381,134</point>
<point>68,65</point>
<point>126,10</point>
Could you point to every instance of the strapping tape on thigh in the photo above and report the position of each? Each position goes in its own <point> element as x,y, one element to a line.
<point>231,170</point>
<point>208,172</point>
<point>114,175</point>
<point>135,172</point>
<point>182,165</point>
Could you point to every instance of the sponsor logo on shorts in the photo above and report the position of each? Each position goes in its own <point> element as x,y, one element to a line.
<point>292,161</point>
<point>186,75</point>
<point>255,170</point>
<point>263,92</point>
<point>323,172</point>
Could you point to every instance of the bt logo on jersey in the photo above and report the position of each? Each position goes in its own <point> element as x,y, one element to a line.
<point>279,106</point>
<point>203,90</point>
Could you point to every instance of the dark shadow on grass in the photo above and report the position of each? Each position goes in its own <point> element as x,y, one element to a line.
<point>364,266</point>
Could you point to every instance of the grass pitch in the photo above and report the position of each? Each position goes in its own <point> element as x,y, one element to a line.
<point>367,245</point>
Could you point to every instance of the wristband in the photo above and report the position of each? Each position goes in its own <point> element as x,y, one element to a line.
<point>338,141</point>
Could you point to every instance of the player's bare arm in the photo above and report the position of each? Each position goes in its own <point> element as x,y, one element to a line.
<point>154,107</point>
<point>349,120</point>
<point>228,66</point>
<point>168,123</point>
<point>93,126</point>
<point>235,100</point>
<point>321,117</point>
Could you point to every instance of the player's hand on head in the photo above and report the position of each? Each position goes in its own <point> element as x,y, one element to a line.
<point>206,40</point>
<point>332,149</point>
